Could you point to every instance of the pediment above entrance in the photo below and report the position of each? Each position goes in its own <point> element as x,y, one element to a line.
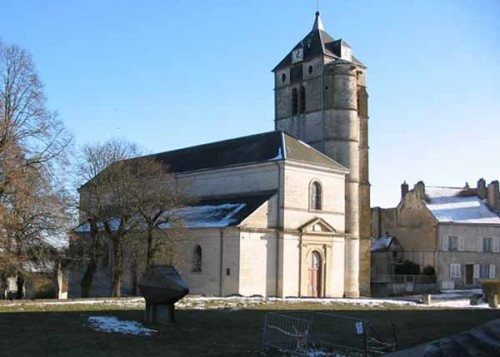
<point>318,226</point>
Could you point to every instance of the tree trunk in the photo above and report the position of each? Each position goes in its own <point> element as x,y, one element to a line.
<point>118,267</point>
<point>88,276</point>
<point>86,283</point>
<point>149,255</point>
<point>134,271</point>
<point>20,286</point>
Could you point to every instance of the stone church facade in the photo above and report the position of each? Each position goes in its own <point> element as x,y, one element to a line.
<point>284,213</point>
<point>321,99</point>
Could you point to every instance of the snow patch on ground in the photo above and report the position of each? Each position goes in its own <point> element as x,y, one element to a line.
<point>123,302</point>
<point>459,299</point>
<point>356,302</point>
<point>112,324</point>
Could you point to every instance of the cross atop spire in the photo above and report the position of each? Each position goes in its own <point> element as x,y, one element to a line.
<point>318,24</point>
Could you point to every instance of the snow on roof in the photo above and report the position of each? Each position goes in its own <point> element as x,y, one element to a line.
<point>279,156</point>
<point>209,216</point>
<point>380,243</point>
<point>85,227</point>
<point>452,204</point>
<point>203,216</point>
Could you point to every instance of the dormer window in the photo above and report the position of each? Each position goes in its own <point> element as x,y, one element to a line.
<point>316,196</point>
<point>297,55</point>
<point>346,52</point>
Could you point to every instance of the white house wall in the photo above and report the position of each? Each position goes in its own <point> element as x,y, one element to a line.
<point>338,267</point>
<point>258,263</point>
<point>265,216</point>
<point>469,250</point>
<point>213,278</point>
<point>230,181</point>
<point>297,197</point>
<point>289,258</point>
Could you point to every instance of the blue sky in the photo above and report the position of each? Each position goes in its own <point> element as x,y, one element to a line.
<point>171,74</point>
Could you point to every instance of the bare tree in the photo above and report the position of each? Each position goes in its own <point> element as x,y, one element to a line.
<point>157,198</point>
<point>33,144</point>
<point>127,200</point>
<point>105,203</point>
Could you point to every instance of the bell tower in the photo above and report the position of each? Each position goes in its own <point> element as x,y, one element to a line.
<point>321,98</point>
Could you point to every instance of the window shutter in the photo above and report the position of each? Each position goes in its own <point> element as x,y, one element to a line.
<point>455,271</point>
<point>496,244</point>
<point>492,271</point>
<point>476,271</point>
<point>461,244</point>
<point>479,244</point>
<point>444,243</point>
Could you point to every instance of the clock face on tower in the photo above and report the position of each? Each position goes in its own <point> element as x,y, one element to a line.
<point>297,55</point>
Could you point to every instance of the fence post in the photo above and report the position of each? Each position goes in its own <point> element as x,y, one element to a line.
<point>494,301</point>
<point>365,342</point>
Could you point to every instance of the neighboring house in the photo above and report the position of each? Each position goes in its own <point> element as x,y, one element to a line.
<point>37,282</point>
<point>386,254</point>
<point>283,207</point>
<point>269,220</point>
<point>454,230</point>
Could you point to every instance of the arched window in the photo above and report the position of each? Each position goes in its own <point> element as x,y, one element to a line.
<point>197,259</point>
<point>316,196</point>
<point>295,101</point>
<point>302,106</point>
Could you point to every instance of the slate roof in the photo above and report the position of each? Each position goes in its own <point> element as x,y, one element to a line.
<point>271,146</point>
<point>381,244</point>
<point>316,43</point>
<point>458,205</point>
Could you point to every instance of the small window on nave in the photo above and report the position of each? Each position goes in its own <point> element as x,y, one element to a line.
<point>316,196</point>
<point>197,260</point>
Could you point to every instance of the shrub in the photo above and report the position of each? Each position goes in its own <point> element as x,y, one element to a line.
<point>429,270</point>
<point>407,268</point>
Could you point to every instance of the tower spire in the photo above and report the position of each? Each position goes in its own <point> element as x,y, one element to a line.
<point>318,24</point>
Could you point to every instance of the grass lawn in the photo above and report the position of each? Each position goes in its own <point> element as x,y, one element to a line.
<point>31,329</point>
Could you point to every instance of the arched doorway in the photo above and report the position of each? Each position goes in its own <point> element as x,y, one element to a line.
<point>314,275</point>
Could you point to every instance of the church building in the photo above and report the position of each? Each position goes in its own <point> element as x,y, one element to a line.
<point>283,213</point>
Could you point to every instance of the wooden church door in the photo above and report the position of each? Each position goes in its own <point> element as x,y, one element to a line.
<point>315,275</point>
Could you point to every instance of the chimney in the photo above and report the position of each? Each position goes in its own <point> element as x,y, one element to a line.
<point>493,195</point>
<point>481,189</point>
<point>419,189</point>
<point>404,190</point>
